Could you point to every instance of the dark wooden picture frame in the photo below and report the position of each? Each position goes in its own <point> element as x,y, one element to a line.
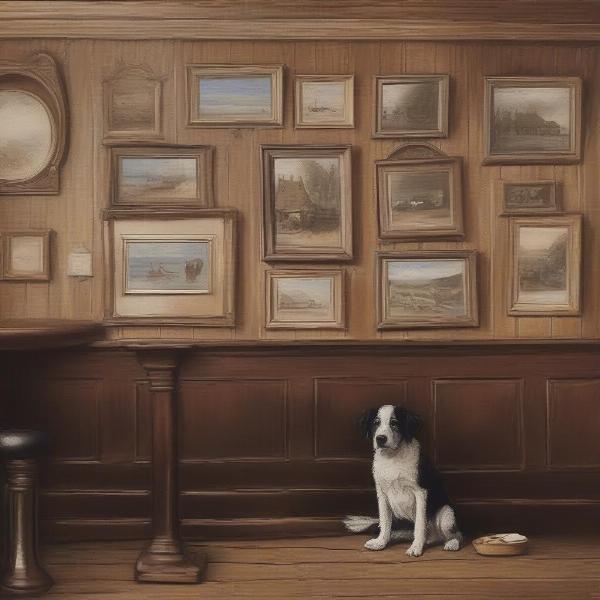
<point>529,197</point>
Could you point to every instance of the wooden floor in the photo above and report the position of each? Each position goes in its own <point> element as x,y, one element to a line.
<point>560,567</point>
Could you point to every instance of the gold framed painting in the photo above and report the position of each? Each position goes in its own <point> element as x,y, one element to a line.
<point>324,101</point>
<point>162,175</point>
<point>235,95</point>
<point>529,197</point>
<point>427,289</point>
<point>529,120</point>
<point>170,266</point>
<point>26,255</point>
<point>419,194</point>
<point>545,265</point>
<point>411,106</point>
<point>304,299</point>
<point>307,203</point>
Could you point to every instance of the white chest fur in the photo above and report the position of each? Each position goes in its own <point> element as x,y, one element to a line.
<point>396,475</point>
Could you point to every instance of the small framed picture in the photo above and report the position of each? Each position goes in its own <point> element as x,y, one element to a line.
<point>305,299</point>
<point>162,175</point>
<point>27,255</point>
<point>529,197</point>
<point>324,101</point>
<point>427,289</point>
<point>532,120</point>
<point>419,194</point>
<point>411,106</point>
<point>307,203</point>
<point>235,95</point>
<point>545,265</point>
<point>170,266</point>
<point>133,104</point>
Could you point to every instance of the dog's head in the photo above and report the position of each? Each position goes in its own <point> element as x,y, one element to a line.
<point>389,426</point>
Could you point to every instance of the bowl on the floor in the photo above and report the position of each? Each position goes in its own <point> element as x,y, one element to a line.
<point>501,544</point>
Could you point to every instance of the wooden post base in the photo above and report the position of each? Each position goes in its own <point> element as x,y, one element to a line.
<point>169,565</point>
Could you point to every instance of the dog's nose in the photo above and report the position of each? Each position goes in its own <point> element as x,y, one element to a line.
<point>381,440</point>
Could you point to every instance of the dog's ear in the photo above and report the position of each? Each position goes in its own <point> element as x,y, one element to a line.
<point>408,423</point>
<point>365,422</point>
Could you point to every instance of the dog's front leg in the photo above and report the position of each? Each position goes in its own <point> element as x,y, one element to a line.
<point>385,523</point>
<point>416,548</point>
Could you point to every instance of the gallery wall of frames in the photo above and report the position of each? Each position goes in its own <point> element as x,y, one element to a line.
<point>302,190</point>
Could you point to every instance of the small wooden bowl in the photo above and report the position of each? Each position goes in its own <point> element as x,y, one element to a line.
<point>497,545</point>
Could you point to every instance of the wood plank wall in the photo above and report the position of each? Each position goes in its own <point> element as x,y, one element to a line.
<point>75,213</point>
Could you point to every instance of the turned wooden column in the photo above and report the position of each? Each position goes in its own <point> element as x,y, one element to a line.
<point>164,560</point>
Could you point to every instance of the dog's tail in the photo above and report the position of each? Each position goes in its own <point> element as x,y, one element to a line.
<point>357,524</point>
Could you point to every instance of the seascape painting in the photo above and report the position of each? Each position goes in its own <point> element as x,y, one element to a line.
<point>147,178</point>
<point>308,202</point>
<point>542,265</point>
<point>530,197</point>
<point>418,289</point>
<point>247,97</point>
<point>167,267</point>
<point>419,199</point>
<point>26,135</point>
<point>304,299</point>
<point>133,106</point>
<point>324,101</point>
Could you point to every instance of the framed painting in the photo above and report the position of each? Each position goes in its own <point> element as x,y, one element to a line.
<point>411,106</point>
<point>532,120</point>
<point>419,194</point>
<point>304,299</point>
<point>324,101</point>
<point>529,197</point>
<point>235,95</point>
<point>307,203</point>
<point>427,289</point>
<point>162,175</point>
<point>545,265</point>
<point>133,104</point>
<point>27,255</point>
<point>170,266</point>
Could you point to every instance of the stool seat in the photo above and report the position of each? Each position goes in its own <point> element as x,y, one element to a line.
<point>18,444</point>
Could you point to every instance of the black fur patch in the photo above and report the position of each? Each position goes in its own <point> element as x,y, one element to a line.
<point>365,422</point>
<point>408,422</point>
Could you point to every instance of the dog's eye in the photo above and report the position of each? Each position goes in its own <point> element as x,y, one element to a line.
<point>394,424</point>
<point>376,422</point>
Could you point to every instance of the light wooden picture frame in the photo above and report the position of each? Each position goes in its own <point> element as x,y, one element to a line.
<point>26,255</point>
<point>545,265</point>
<point>305,299</point>
<point>133,104</point>
<point>324,101</point>
<point>411,106</point>
<point>532,120</point>
<point>162,176</point>
<point>170,266</point>
<point>529,197</point>
<point>234,95</point>
<point>427,289</point>
<point>419,194</point>
<point>307,203</point>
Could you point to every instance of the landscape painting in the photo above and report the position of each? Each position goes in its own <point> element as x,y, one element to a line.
<point>410,106</point>
<point>167,267</point>
<point>545,265</point>
<point>324,101</point>
<point>419,201</point>
<point>304,299</point>
<point>308,202</point>
<point>423,290</point>
<point>235,95</point>
<point>530,197</point>
<point>531,120</point>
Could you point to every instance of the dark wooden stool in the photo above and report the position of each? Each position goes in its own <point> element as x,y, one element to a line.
<point>21,572</point>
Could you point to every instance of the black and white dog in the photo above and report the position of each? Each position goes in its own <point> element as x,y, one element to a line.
<point>408,488</point>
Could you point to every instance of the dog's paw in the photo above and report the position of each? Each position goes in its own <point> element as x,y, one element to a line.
<point>375,544</point>
<point>415,550</point>
<point>452,545</point>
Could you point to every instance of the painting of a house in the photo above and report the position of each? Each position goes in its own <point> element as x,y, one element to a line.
<point>293,206</point>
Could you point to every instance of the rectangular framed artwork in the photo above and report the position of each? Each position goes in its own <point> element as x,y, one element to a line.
<point>307,203</point>
<point>529,197</point>
<point>235,95</point>
<point>26,255</point>
<point>545,265</point>
<point>324,101</point>
<point>427,289</point>
<point>304,299</point>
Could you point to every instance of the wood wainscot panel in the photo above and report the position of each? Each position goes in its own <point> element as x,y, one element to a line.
<point>143,423</point>
<point>228,419</point>
<point>478,423</point>
<point>573,412</point>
